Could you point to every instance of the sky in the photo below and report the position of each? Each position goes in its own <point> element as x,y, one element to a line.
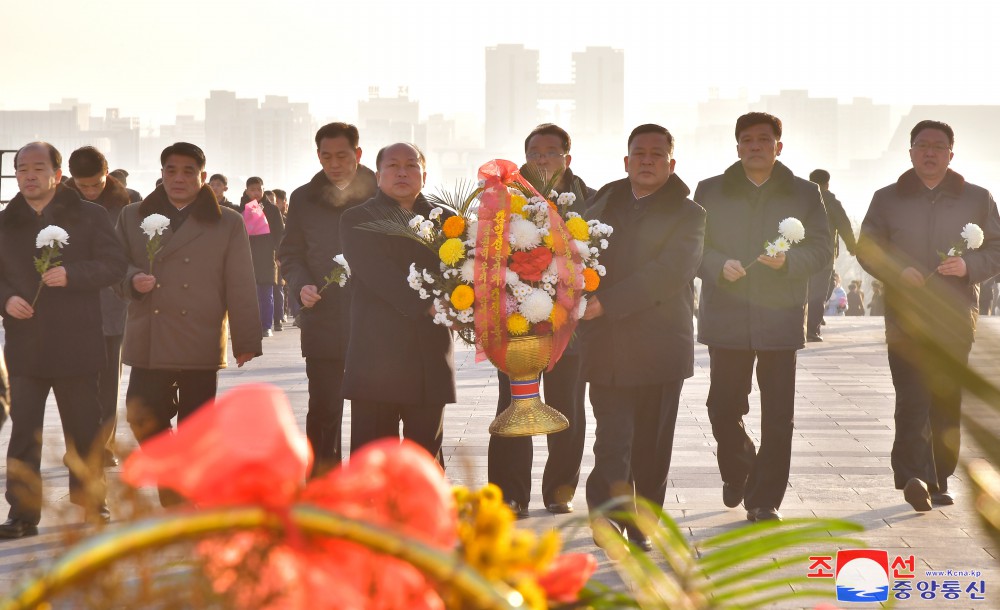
<point>150,58</point>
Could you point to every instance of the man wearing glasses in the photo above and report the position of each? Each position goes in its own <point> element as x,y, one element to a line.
<point>509,466</point>
<point>917,240</point>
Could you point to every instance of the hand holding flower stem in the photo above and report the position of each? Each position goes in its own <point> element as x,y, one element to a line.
<point>340,273</point>
<point>50,240</point>
<point>790,231</point>
<point>153,226</point>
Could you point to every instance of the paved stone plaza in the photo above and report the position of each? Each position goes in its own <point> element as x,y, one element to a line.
<point>840,461</point>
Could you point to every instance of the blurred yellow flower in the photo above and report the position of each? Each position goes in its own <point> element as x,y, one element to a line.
<point>578,228</point>
<point>452,252</point>
<point>462,297</point>
<point>517,324</point>
<point>517,203</point>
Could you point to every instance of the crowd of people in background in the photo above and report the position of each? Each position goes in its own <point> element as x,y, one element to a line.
<point>163,283</point>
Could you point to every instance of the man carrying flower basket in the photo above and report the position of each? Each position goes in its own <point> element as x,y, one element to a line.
<point>399,365</point>
<point>931,238</point>
<point>639,345</point>
<point>62,251</point>
<point>752,307</point>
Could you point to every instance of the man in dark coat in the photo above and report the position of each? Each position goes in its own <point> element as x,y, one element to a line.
<point>219,185</point>
<point>263,248</point>
<point>399,363</point>
<point>547,151</point>
<point>755,310</point>
<point>639,346</point>
<point>312,239</point>
<point>840,228</point>
<point>122,177</point>
<point>54,338</point>
<point>931,303</point>
<point>90,178</point>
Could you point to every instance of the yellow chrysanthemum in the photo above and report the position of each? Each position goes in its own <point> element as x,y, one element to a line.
<point>453,227</point>
<point>517,324</point>
<point>534,595</point>
<point>452,252</point>
<point>517,203</point>
<point>549,242</point>
<point>462,297</point>
<point>558,316</point>
<point>578,228</point>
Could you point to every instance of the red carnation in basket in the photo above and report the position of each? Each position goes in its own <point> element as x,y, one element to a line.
<point>530,265</point>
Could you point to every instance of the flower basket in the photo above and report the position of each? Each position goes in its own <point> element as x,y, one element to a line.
<point>527,415</point>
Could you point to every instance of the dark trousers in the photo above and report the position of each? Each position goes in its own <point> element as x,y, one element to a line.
<point>819,292</point>
<point>154,397</point>
<point>928,417</point>
<point>326,411</point>
<point>265,303</point>
<point>634,441</point>
<point>80,412</point>
<point>422,424</point>
<point>108,387</point>
<point>279,304</point>
<point>765,471</point>
<point>509,462</point>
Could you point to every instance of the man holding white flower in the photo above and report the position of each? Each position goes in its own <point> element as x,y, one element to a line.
<point>766,234</point>
<point>308,256</point>
<point>931,238</point>
<point>53,326</point>
<point>190,271</point>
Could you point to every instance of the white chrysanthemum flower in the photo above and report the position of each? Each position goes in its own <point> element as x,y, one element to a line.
<point>952,252</point>
<point>604,244</point>
<point>52,236</point>
<point>426,229</point>
<point>536,200</point>
<point>973,236</point>
<point>553,195</point>
<point>601,271</point>
<point>566,199</point>
<point>414,277</point>
<point>537,306</point>
<point>466,316</point>
<point>550,278</point>
<point>468,271</point>
<point>520,291</point>
<point>792,230</point>
<point>154,224</point>
<point>435,213</point>
<point>472,229</point>
<point>436,292</point>
<point>781,245</point>
<point>415,221</point>
<point>572,215</point>
<point>424,294</point>
<point>524,234</point>
<point>583,248</point>
<point>581,308</point>
<point>428,277</point>
<point>771,249</point>
<point>512,277</point>
<point>340,260</point>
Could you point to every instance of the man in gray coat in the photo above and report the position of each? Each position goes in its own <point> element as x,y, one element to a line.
<point>914,239</point>
<point>202,275</point>
<point>752,308</point>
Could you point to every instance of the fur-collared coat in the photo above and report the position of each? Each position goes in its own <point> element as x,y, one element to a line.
<point>64,337</point>
<point>766,309</point>
<point>908,225</point>
<point>204,273</point>
<point>312,239</point>
<point>113,199</point>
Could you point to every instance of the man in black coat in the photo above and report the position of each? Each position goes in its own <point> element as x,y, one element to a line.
<point>122,177</point>
<point>819,283</point>
<point>263,249</point>
<point>312,239</point>
<point>931,303</point>
<point>219,185</point>
<point>90,178</point>
<point>55,343</point>
<point>399,363</point>
<point>547,151</point>
<point>639,345</point>
<point>755,310</point>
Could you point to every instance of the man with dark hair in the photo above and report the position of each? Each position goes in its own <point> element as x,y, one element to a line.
<point>840,228</point>
<point>312,240</point>
<point>546,150</point>
<point>219,185</point>
<point>122,176</point>
<point>930,303</point>
<point>53,338</point>
<point>754,310</point>
<point>202,274</point>
<point>399,363</point>
<point>639,346</point>
<point>90,178</point>
<point>263,246</point>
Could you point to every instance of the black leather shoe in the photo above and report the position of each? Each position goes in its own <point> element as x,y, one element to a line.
<point>520,510</point>
<point>943,498</point>
<point>617,537</point>
<point>268,332</point>
<point>814,339</point>
<point>101,515</point>
<point>559,508</point>
<point>732,495</point>
<point>643,543</point>
<point>763,514</point>
<point>916,495</point>
<point>278,327</point>
<point>16,528</point>
<point>110,461</point>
